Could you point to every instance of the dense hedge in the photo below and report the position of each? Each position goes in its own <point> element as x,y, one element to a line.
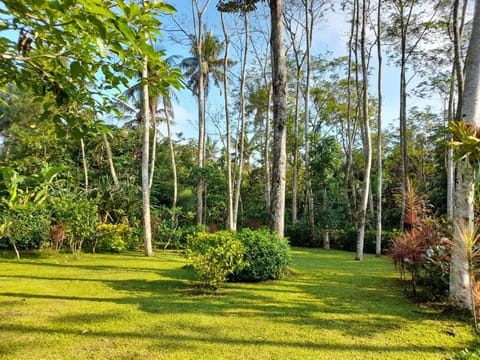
<point>248,256</point>
<point>214,256</point>
<point>28,227</point>
<point>266,256</point>
<point>300,234</point>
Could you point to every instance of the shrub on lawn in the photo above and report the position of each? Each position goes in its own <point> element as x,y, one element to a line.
<point>214,256</point>
<point>114,238</point>
<point>26,227</point>
<point>436,270</point>
<point>266,256</point>
<point>79,214</point>
<point>302,234</point>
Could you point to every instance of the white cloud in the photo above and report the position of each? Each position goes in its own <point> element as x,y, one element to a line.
<point>184,122</point>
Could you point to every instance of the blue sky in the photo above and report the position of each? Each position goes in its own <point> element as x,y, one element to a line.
<point>330,35</point>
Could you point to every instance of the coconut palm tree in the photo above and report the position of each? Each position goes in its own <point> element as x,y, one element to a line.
<point>205,64</point>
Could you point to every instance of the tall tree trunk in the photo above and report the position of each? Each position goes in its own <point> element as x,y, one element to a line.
<point>85,165</point>
<point>291,23</point>
<point>242,121</point>
<point>367,137</point>
<point>108,150</point>
<point>231,223</point>
<point>201,107</point>
<point>279,80</point>
<point>308,180</point>
<point>403,116</point>
<point>378,244</point>
<point>458,25</point>
<point>147,229</point>
<point>167,106</point>
<point>349,186</point>
<point>460,281</point>
<point>449,164</point>
<point>266,151</point>
<point>153,114</point>
<point>295,148</point>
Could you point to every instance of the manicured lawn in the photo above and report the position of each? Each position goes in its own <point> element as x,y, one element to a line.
<point>132,307</point>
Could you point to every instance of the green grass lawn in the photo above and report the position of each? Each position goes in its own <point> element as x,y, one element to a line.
<point>132,307</point>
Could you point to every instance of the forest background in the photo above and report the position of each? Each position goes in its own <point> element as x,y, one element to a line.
<point>69,80</point>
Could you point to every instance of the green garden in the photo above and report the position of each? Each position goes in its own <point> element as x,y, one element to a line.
<point>239,179</point>
<point>131,307</point>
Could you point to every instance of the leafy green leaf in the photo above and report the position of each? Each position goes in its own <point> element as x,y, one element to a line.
<point>76,69</point>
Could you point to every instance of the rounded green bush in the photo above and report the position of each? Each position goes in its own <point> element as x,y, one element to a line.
<point>266,256</point>
<point>214,256</point>
<point>28,226</point>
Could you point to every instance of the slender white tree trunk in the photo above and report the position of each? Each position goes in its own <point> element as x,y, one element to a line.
<point>403,113</point>
<point>147,227</point>
<point>108,150</point>
<point>145,175</point>
<point>84,163</point>
<point>450,165</point>
<point>308,180</point>
<point>153,111</point>
<point>367,138</point>
<point>378,244</point>
<point>460,285</point>
<point>295,149</point>
<point>167,108</point>
<point>266,151</point>
<point>279,80</point>
<point>350,195</point>
<point>231,223</point>
<point>198,23</point>
<point>242,123</point>
<point>458,25</point>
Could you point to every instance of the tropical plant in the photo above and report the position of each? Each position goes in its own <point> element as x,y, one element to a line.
<point>211,66</point>
<point>114,238</point>
<point>466,239</point>
<point>408,251</point>
<point>266,256</point>
<point>78,213</point>
<point>214,256</point>
<point>436,270</point>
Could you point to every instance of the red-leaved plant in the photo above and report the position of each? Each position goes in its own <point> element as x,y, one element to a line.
<point>408,251</point>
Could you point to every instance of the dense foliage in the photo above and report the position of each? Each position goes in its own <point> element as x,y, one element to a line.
<point>114,238</point>
<point>214,256</point>
<point>266,256</point>
<point>422,251</point>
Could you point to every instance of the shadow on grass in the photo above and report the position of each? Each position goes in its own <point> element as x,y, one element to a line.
<point>353,299</point>
<point>205,335</point>
<point>314,309</point>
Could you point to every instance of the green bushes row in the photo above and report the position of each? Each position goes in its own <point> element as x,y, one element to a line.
<point>31,227</point>
<point>301,234</point>
<point>248,256</point>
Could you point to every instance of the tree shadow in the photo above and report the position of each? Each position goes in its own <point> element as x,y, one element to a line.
<point>335,301</point>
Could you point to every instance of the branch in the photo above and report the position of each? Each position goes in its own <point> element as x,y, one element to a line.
<point>31,58</point>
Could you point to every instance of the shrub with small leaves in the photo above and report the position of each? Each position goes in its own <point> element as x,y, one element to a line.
<point>115,238</point>
<point>436,270</point>
<point>27,226</point>
<point>214,256</point>
<point>266,256</point>
<point>79,214</point>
